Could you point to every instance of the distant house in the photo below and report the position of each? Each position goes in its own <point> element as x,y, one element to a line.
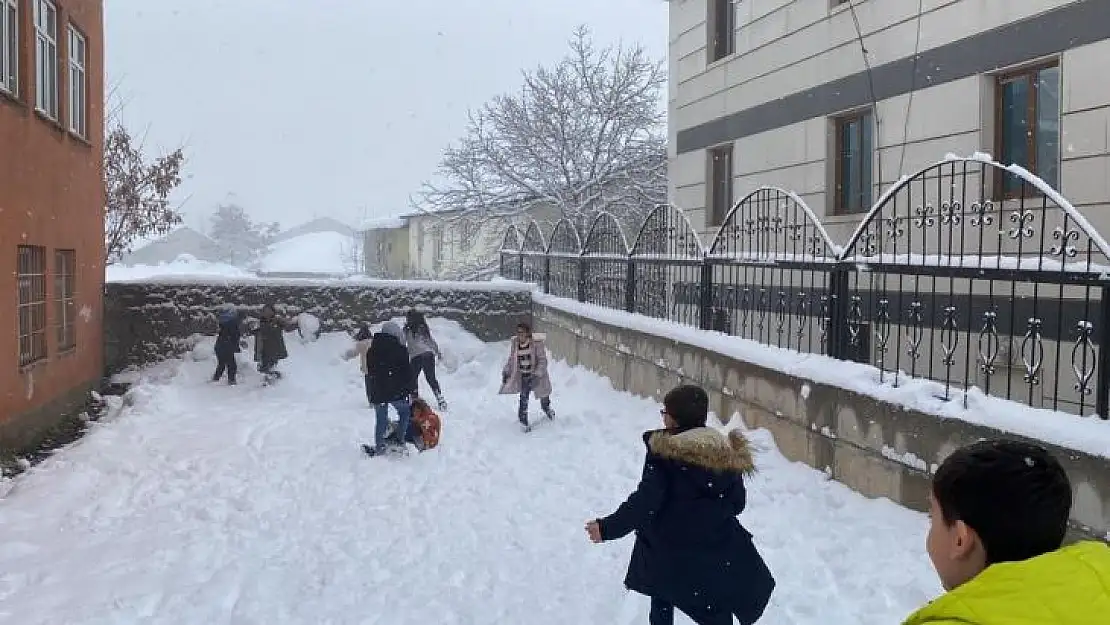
<point>184,240</point>
<point>385,248</point>
<point>463,245</point>
<point>316,226</point>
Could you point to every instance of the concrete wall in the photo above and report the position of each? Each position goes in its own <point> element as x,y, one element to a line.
<point>799,63</point>
<point>51,196</point>
<point>148,321</point>
<point>878,449</point>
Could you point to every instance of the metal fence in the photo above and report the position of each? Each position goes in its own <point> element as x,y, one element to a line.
<point>943,279</point>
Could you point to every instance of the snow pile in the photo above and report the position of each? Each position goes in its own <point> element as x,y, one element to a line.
<point>250,504</point>
<point>317,252</point>
<point>183,266</point>
<point>308,327</point>
<point>1086,434</point>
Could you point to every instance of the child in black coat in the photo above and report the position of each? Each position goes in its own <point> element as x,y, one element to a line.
<point>691,552</point>
<point>228,342</point>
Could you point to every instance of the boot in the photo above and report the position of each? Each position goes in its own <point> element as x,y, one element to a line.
<point>441,401</point>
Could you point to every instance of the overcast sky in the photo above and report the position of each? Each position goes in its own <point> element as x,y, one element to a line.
<point>333,107</point>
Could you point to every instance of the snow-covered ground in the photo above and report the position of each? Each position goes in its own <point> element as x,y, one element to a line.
<point>204,503</point>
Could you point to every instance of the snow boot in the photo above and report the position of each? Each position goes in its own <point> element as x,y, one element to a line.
<point>441,402</point>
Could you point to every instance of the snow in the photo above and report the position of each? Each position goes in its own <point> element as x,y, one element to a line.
<point>316,252</point>
<point>183,265</point>
<point>309,326</point>
<point>384,223</point>
<point>203,503</point>
<point>1087,434</point>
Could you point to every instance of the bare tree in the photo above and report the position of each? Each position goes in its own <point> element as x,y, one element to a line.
<point>583,136</point>
<point>136,189</point>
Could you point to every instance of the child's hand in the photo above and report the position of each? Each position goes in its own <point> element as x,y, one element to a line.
<point>593,530</point>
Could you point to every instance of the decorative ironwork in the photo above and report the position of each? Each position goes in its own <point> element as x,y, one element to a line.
<point>917,331</point>
<point>564,252</point>
<point>1024,279</point>
<point>509,253</point>
<point>667,257</point>
<point>605,263</point>
<point>533,250</point>
<point>1083,356</point>
<point>882,334</point>
<point>989,344</point>
<point>1032,352</point>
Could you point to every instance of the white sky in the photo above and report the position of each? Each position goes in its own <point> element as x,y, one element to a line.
<point>333,107</point>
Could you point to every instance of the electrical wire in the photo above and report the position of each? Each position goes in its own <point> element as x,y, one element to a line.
<point>913,87</point>
<point>871,88</point>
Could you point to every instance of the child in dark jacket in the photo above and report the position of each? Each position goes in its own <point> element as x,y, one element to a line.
<point>227,345</point>
<point>390,381</point>
<point>269,342</point>
<point>691,552</point>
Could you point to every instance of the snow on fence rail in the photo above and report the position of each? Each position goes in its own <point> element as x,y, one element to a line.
<point>968,273</point>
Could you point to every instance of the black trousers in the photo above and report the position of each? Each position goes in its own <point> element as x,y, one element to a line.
<point>226,362</point>
<point>662,613</point>
<point>426,363</point>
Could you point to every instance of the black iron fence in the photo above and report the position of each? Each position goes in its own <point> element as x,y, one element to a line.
<point>943,279</point>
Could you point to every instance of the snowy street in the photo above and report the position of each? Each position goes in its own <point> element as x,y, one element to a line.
<point>208,504</point>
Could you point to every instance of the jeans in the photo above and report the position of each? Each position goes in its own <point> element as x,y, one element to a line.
<point>526,384</point>
<point>226,362</point>
<point>381,426</point>
<point>426,362</point>
<point>662,613</point>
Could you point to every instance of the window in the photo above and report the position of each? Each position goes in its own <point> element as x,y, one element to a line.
<point>722,29</point>
<point>65,286</point>
<point>77,88</point>
<point>853,164</point>
<point>46,58</point>
<point>720,184</point>
<point>9,46</point>
<point>31,277</point>
<point>1028,126</point>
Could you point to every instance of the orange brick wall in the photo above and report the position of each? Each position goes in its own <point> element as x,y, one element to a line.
<point>51,195</point>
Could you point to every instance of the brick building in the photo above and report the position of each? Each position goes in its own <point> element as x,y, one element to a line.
<point>51,212</point>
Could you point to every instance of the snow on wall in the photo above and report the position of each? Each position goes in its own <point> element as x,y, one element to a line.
<point>150,321</point>
<point>881,440</point>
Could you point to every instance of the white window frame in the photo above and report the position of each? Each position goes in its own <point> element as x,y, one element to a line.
<point>78,82</point>
<point>46,58</point>
<point>9,47</point>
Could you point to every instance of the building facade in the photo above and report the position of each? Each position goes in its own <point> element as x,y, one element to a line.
<point>456,245</point>
<point>836,100</point>
<point>51,212</point>
<point>385,248</point>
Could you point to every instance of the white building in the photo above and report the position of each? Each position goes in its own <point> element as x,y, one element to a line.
<point>463,245</point>
<point>778,92</point>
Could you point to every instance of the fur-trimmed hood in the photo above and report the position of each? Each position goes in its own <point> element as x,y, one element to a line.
<point>704,447</point>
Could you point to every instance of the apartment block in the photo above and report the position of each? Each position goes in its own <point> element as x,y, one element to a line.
<point>836,100</point>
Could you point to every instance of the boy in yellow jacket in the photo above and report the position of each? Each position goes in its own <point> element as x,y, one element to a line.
<point>998,513</point>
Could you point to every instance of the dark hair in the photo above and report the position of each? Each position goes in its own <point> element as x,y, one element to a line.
<point>1015,495</point>
<point>415,322</point>
<point>363,333</point>
<point>527,327</point>
<point>688,405</point>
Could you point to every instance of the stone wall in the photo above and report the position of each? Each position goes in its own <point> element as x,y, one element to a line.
<point>876,448</point>
<point>148,321</point>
